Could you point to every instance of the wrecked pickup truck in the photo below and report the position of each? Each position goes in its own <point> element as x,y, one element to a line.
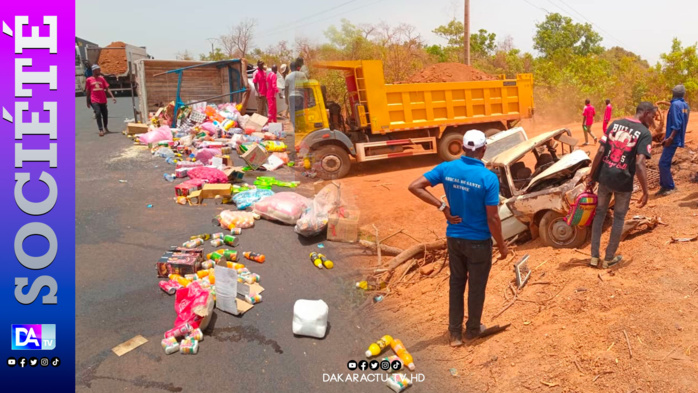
<point>539,179</point>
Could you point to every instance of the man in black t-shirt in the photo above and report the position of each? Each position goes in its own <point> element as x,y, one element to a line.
<point>622,153</point>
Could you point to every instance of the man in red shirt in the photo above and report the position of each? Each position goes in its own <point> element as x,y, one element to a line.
<point>96,88</point>
<point>607,116</point>
<point>260,85</point>
<point>272,90</point>
<point>587,121</point>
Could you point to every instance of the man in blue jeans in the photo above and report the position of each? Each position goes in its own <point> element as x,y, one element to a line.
<point>472,192</point>
<point>623,151</point>
<point>676,122</point>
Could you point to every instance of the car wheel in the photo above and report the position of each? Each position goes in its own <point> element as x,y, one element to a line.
<point>331,161</point>
<point>450,146</point>
<point>555,232</point>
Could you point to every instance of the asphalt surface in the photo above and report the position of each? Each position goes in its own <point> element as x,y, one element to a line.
<point>119,239</point>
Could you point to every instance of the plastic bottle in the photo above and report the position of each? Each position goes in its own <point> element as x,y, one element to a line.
<point>377,347</point>
<point>171,160</point>
<point>401,351</point>
<point>370,287</point>
<point>204,236</point>
<point>253,256</point>
<point>181,280</point>
<point>315,259</point>
<point>169,177</point>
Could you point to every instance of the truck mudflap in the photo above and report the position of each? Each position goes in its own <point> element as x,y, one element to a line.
<point>320,136</point>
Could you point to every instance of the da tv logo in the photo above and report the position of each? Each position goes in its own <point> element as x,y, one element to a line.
<point>33,337</point>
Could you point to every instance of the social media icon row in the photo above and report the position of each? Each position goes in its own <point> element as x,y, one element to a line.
<point>33,362</point>
<point>374,365</point>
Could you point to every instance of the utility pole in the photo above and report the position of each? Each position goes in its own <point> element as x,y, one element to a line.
<point>466,25</point>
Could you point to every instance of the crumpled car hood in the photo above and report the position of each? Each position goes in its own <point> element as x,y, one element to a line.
<point>567,161</point>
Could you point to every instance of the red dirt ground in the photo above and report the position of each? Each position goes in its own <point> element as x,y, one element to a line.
<point>567,335</point>
<point>449,72</point>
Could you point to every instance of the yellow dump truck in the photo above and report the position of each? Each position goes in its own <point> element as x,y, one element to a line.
<point>397,120</point>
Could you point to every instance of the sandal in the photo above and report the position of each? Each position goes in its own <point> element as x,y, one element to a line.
<point>612,262</point>
<point>101,133</point>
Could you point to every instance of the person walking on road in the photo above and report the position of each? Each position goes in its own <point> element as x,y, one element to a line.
<point>260,84</point>
<point>96,88</point>
<point>677,120</point>
<point>294,93</point>
<point>607,116</point>
<point>623,151</point>
<point>272,91</point>
<point>587,120</point>
<point>472,213</point>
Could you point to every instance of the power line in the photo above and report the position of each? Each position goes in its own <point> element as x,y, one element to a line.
<point>594,24</point>
<point>291,25</point>
<point>537,7</point>
<point>325,19</point>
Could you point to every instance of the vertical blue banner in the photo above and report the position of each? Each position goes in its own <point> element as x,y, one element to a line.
<point>37,177</point>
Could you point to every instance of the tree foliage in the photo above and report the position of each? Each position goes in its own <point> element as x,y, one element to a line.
<point>559,33</point>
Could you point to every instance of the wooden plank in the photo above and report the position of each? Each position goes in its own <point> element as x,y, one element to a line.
<point>129,345</point>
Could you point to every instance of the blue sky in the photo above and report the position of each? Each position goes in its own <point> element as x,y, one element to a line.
<point>645,27</point>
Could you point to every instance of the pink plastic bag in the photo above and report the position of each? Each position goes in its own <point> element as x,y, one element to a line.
<point>208,127</point>
<point>159,134</point>
<point>190,303</point>
<point>286,207</point>
<point>209,175</point>
<point>204,155</point>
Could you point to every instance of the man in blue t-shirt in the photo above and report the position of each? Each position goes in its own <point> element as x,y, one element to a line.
<point>472,212</point>
<point>676,122</point>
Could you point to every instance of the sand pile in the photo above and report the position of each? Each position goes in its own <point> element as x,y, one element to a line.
<point>449,72</point>
<point>113,61</point>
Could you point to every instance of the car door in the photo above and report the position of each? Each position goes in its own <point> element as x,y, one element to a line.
<point>511,226</point>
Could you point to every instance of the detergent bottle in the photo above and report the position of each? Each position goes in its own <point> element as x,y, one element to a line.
<point>401,352</point>
<point>377,347</point>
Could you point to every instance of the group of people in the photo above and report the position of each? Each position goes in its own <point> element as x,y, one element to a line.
<point>472,200</point>
<point>268,83</point>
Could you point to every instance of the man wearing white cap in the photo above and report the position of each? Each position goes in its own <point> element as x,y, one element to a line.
<point>96,88</point>
<point>472,213</point>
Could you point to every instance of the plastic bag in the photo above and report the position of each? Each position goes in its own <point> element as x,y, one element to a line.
<point>194,306</point>
<point>208,127</point>
<point>314,219</point>
<point>286,207</point>
<point>246,199</point>
<point>164,152</point>
<point>310,318</point>
<point>159,134</point>
<point>204,155</point>
<point>230,219</point>
<point>209,175</point>
<point>185,140</point>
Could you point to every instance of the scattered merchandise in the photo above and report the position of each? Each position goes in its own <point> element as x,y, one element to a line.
<point>399,382</point>
<point>129,345</point>
<point>246,199</point>
<point>376,348</point>
<point>253,256</point>
<point>286,207</point>
<point>310,318</point>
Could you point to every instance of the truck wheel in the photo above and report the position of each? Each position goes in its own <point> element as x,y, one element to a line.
<point>331,161</point>
<point>450,146</point>
<point>555,232</point>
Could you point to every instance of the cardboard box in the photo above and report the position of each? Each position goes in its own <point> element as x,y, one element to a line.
<point>343,226</point>
<point>178,264</point>
<point>255,156</point>
<point>189,186</point>
<point>210,191</point>
<point>136,128</point>
<point>257,121</point>
<point>226,160</point>
<point>234,174</point>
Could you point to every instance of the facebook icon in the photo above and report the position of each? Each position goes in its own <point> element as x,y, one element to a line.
<point>33,337</point>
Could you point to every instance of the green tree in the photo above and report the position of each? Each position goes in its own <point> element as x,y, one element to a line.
<point>482,43</point>
<point>680,66</point>
<point>560,33</point>
<point>216,55</point>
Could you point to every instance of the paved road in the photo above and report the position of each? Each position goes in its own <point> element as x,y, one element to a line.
<point>118,241</point>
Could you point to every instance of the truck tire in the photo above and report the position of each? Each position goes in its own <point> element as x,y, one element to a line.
<point>450,146</point>
<point>555,232</point>
<point>331,161</point>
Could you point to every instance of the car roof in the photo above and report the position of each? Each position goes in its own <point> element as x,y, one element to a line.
<point>515,153</point>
